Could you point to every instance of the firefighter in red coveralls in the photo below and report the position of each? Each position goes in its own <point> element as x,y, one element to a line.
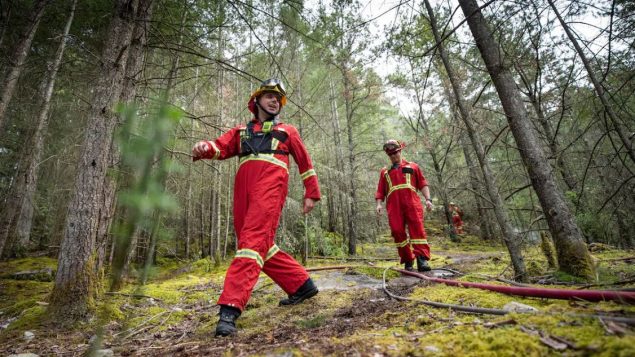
<point>457,220</point>
<point>263,146</point>
<point>398,185</point>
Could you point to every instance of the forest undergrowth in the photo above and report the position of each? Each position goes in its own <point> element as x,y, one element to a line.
<point>174,314</point>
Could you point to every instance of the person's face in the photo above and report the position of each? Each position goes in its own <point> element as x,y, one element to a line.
<point>395,157</point>
<point>270,102</point>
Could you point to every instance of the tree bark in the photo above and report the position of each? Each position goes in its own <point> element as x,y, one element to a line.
<point>24,219</point>
<point>511,239</point>
<point>134,66</point>
<point>573,256</point>
<point>17,59</point>
<point>352,221</point>
<point>75,283</point>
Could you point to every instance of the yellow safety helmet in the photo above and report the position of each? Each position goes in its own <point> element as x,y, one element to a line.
<point>270,85</point>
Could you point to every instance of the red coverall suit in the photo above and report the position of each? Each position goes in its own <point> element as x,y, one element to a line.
<point>456,220</point>
<point>398,186</point>
<point>260,191</point>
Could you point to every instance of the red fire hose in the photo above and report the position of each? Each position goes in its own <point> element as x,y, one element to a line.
<point>627,297</point>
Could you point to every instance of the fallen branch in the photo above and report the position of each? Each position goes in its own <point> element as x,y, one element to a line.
<point>621,282</point>
<point>133,295</point>
<point>352,258</point>
<point>510,282</point>
<point>617,259</point>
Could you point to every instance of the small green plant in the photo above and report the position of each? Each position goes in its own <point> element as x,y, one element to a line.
<point>312,322</point>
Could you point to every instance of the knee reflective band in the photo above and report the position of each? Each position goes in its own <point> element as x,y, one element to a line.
<point>418,241</point>
<point>250,254</point>
<point>402,244</point>
<point>272,251</point>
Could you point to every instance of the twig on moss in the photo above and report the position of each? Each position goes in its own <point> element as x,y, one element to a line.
<point>133,295</point>
<point>511,282</point>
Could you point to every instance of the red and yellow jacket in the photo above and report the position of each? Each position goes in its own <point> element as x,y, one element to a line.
<point>401,180</point>
<point>266,152</point>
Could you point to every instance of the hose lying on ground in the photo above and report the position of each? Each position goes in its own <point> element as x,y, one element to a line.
<point>488,311</point>
<point>626,297</point>
<point>471,309</point>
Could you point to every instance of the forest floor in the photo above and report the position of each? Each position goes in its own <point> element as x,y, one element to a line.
<point>174,314</point>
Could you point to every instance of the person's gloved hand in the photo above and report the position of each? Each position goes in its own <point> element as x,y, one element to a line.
<point>200,149</point>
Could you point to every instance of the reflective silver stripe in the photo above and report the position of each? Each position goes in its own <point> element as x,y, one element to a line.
<point>387,176</point>
<point>250,254</point>
<point>264,157</point>
<point>400,187</point>
<point>272,251</point>
<point>401,244</point>
<point>307,174</point>
<point>217,153</point>
<point>419,241</point>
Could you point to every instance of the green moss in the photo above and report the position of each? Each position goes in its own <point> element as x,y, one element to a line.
<point>30,318</point>
<point>312,322</point>
<point>168,291</point>
<point>109,310</point>
<point>622,347</point>
<point>567,278</point>
<point>24,264</point>
<point>16,295</point>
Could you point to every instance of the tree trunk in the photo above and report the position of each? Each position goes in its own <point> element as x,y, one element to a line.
<point>134,67</point>
<point>573,256</point>
<point>75,284</point>
<point>24,220</point>
<point>16,60</point>
<point>511,239</point>
<point>533,95</point>
<point>339,155</point>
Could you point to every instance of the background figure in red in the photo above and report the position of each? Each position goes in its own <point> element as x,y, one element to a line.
<point>457,222</point>
<point>263,146</point>
<point>398,185</point>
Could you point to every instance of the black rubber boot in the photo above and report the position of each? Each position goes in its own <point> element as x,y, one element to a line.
<point>227,322</point>
<point>307,290</point>
<point>409,266</point>
<point>422,264</point>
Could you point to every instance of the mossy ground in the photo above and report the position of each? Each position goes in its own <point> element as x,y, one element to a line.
<point>180,316</point>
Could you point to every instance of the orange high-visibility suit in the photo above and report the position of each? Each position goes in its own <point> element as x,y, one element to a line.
<point>260,191</point>
<point>398,186</point>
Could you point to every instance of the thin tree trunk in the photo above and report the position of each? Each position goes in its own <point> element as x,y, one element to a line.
<point>5,15</point>
<point>212,218</point>
<point>438,171</point>
<point>534,97</point>
<point>352,221</point>
<point>16,60</point>
<point>486,231</point>
<point>201,232</point>
<point>573,256</point>
<point>9,210</point>
<point>75,284</point>
<point>134,67</point>
<point>188,205</point>
<point>24,220</point>
<point>512,241</point>
<point>622,132</point>
<point>339,155</point>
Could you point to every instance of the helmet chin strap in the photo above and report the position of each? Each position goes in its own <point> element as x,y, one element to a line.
<point>272,116</point>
